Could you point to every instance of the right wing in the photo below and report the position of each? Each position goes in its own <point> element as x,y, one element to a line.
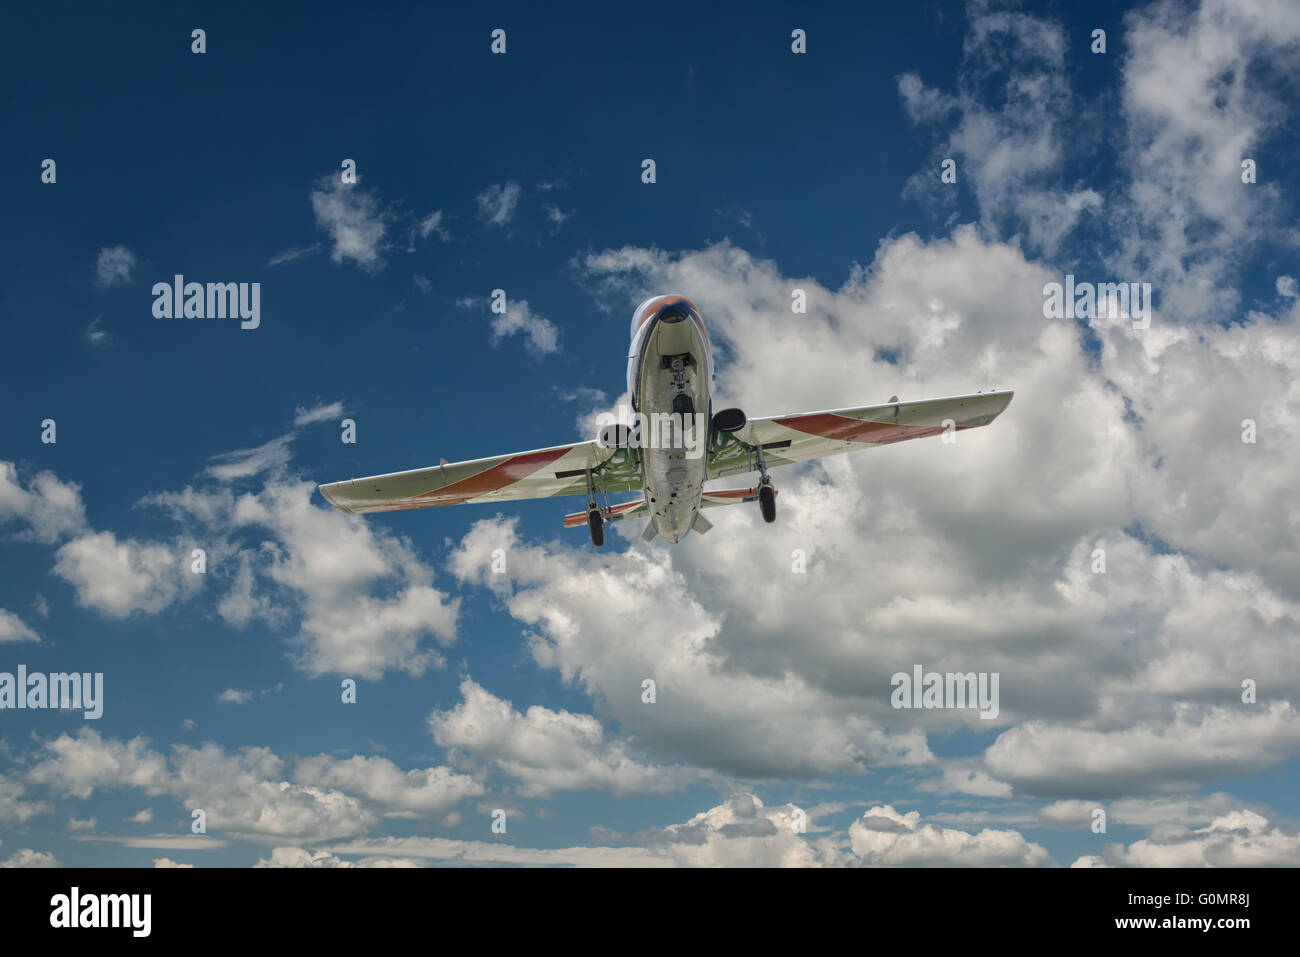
<point>544,473</point>
<point>787,439</point>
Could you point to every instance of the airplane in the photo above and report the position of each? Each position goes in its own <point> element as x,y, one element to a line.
<point>669,375</point>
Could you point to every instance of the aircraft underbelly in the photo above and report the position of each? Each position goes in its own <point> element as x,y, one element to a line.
<point>674,476</point>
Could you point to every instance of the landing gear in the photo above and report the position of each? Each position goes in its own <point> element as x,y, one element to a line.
<point>766,494</point>
<point>595,519</point>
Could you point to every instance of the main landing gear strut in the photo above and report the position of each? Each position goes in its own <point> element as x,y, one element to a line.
<point>766,494</point>
<point>595,519</point>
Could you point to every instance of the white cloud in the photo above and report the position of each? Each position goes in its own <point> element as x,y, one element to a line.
<point>419,793</point>
<point>1236,839</point>
<point>321,412</point>
<point>271,456</point>
<point>545,750</point>
<point>1014,109</point>
<point>433,223</point>
<point>50,509</point>
<point>29,858</point>
<point>299,857</point>
<point>294,253</point>
<point>233,696</point>
<point>248,793</point>
<point>168,862</point>
<point>119,578</point>
<point>917,553</point>
<point>114,265</point>
<point>354,220</point>
<point>96,334</point>
<point>541,336</point>
<point>13,808</point>
<point>885,838</point>
<point>496,204</point>
<point>743,832</point>
<point>13,628</point>
<point>557,215</point>
<point>76,766</point>
<point>1170,752</point>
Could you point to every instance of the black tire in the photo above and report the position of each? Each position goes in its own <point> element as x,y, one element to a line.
<point>596,524</point>
<point>683,404</point>
<point>767,503</point>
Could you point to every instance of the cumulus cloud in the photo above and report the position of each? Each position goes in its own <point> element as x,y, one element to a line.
<point>885,838</point>
<point>423,792</point>
<point>14,808</point>
<point>300,857</point>
<point>48,508</point>
<point>545,750</point>
<point>249,793</point>
<point>354,220</point>
<point>118,578</point>
<point>13,628</point>
<point>1238,839</point>
<point>29,858</point>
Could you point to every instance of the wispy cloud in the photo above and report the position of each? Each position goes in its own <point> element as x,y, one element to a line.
<point>541,336</point>
<point>114,265</point>
<point>317,413</point>
<point>557,215</point>
<point>96,334</point>
<point>294,253</point>
<point>433,224</point>
<point>496,204</point>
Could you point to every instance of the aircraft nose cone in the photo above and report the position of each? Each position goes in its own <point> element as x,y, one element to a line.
<point>674,312</point>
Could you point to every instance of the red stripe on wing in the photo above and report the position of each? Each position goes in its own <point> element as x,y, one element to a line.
<point>845,429</point>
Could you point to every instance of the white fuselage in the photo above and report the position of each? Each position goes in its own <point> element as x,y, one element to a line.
<point>670,368</point>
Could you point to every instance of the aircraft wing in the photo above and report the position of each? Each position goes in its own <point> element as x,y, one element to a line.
<point>787,439</point>
<point>543,473</point>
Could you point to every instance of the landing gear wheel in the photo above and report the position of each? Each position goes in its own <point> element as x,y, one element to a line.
<point>683,404</point>
<point>767,502</point>
<point>596,525</point>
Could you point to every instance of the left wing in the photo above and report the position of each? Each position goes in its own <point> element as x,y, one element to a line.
<point>786,439</point>
<point>544,473</point>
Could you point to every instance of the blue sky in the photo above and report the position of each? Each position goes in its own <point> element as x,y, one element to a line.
<point>775,171</point>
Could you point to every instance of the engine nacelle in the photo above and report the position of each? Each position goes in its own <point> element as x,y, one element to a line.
<point>729,420</point>
<point>614,437</point>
